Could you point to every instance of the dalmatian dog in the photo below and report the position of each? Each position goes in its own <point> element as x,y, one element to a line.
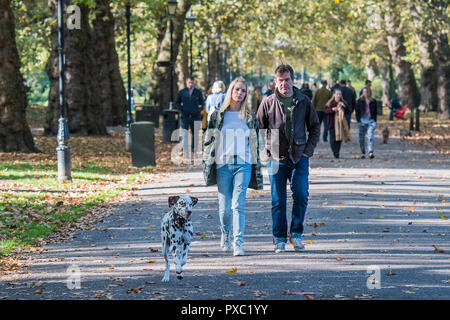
<point>176,233</point>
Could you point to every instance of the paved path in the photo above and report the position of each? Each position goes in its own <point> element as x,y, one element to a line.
<point>383,213</point>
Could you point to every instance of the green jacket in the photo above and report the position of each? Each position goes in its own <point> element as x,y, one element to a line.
<point>212,138</point>
<point>321,98</point>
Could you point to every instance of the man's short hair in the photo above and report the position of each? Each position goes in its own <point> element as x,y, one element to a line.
<point>343,82</point>
<point>190,78</point>
<point>283,68</point>
<point>324,82</point>
<point>368,81</point>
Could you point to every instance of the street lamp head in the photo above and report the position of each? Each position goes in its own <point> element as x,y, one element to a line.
<point>172,6</point>
<point>190,19</point>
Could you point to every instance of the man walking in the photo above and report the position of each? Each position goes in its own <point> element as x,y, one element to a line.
<point>319,101</point>
<point>350,98</point>
<point>190,102</point>
<point>287,115</point>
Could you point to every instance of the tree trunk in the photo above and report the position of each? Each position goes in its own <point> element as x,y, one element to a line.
<point>182,69</point>
<point>407,86</point>
<point>82,89</point>
<point>383,69</point>
<point>159,90</point>
<point>112,91</point>
<point>15,134</point>
<point>370,68</point>
<point>442,52</point>
<point>428,64</point>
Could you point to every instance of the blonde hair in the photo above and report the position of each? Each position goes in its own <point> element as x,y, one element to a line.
<point>332,98</point>
<point>218,86</point>
<point>227,101</point>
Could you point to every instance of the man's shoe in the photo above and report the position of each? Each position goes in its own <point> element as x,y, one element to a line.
<point>280,247</point>
<point>296,242</point>
<point>363,156</point>
<point>371,156</point>
<point>238,250</point>
<point>225,242</point>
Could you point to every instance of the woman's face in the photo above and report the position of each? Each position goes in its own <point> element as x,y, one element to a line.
<point>239,92</point>
<point>337,95</point>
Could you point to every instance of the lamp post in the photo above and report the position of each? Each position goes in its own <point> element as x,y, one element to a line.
<point>208,80</point>
<point>190,20</point>
<point>62,150</point>
<point>129,115</point>
<point>217,43</point>
<point>172,5</point>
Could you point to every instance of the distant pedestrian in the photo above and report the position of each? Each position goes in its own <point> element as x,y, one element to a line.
<point>293,129</point>
<point>215,99</point>
<point>306,90</point>
<point>395,105</point>
<point>350,98</point>
<point>190,102</point>
<point>368,86</point>
<point>334,106</point>
<point>270,89</point>
<point>231,160</point>
<point>320,99</point>
<point>366,115</point>
<point>256,99</point>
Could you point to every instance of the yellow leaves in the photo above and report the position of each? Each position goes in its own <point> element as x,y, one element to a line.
<point>336,1</point>
<point>151,226</point>
<point>232,271</point>
<point>151,261</point>
<point>338,258</point>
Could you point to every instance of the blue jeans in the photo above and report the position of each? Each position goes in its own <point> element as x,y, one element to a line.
<point>232,183</point>
<point>367,127</point>
<point>297,174</point>
<point>188,123</point>
<point>349,118</point>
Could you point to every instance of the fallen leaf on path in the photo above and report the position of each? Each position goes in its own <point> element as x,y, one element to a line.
<point>437,249</point>
<point>151,261</point>
<point>338,259</point>
<point>233,270</point>
<point>39,291</point>
<point>308,297</point>
<point>135,290</point>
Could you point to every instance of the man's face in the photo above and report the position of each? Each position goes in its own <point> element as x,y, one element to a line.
<point>189,83</point>
<point>284,84</point>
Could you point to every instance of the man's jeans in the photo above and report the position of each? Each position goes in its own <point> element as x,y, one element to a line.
<point>297,174</point>
<point>349,119</point>
<point>323,119</point>
<point>366,127</point>
<point>232,183</point>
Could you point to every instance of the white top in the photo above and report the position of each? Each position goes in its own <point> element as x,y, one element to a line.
<point>233,140</point>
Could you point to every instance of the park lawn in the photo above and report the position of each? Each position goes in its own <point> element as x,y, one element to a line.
<point>33,204</point>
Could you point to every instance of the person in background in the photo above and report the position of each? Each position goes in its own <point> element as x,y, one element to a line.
<point>271,89</point>
<point>350,98</point>
<point>366,115</point>
<point>395,105</point>
<point>231,160</point>
<point>215,99</point>
<point>349,84</point>
<point>306,91</point>
<point>314,88</point>
<point>368,85</point>
<point>320,99</point>
<point>331,108</point>
<point>256,99</point>
<point>190,103</point>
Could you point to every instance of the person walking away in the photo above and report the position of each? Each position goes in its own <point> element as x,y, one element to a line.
<point>190,103</point>
<point>319,101</point>
<point>306,91</point>
<point>395,105</point>
<point>366,115</point>
<point>288,114</point>
<point>231,160</point>
<point>215,99</point>
<point>331,108</point>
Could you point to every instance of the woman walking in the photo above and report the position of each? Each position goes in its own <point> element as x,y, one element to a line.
<point>335,106</point>
<point>366,115</point>
<point>231,160</point>
<point>215,99</point>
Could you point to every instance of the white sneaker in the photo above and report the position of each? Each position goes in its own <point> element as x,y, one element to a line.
<point>296,242</point>
<point>238,250</point>
<point>280,247</point>
<point>225,242</point>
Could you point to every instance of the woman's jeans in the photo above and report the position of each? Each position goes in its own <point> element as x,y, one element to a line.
<point>367,127</point>
<point>297,174</point>
<point>335,145</point>
<point>232,183</point>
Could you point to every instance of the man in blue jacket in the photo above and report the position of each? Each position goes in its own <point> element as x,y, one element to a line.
<point>190,102</point>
